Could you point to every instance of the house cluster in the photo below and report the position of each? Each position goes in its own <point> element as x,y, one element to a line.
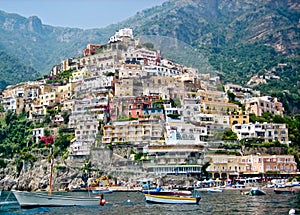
<point>121,94</point>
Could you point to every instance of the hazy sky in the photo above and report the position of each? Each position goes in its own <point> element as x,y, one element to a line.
<point>78,13</point>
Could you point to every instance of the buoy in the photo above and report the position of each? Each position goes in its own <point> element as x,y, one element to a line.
<point>102,202</point>
<point>292,211</point>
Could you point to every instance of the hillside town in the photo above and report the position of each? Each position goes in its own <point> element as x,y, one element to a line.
<point>131,110</point>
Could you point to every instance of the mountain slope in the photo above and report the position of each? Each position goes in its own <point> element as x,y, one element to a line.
<point>236,39</point>
<point>13,72</point>
<point>42,46</point>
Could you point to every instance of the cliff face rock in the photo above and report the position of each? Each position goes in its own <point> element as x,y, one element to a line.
<point>262,150</point>
<point>36,177</point>
<point>35,24</point>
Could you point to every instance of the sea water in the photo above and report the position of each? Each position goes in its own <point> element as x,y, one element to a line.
<point>229,202</point>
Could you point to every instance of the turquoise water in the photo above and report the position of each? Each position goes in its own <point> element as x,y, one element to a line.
<point>229,202</point>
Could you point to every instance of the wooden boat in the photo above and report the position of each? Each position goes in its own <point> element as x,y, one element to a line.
<point>162,192</point>
<point>35,199</point>
<point>160,199</point>
<point>284,191</point>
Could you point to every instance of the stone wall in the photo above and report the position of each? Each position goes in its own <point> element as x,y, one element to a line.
<point>264,150</point>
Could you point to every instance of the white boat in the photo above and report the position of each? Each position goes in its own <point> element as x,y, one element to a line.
<point>101,191</point>
<point>36,199</point>
<point>214,190</point>
<point>163,192</point>
<point>171,199</point>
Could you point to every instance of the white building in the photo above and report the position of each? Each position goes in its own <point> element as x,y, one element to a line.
<point>37,134</point>
<point>119,35</point>
<point>268,132</point>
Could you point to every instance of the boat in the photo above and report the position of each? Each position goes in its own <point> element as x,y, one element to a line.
<point>214,190</point>
<point>101,191</point>
<point>163,192</point>
<point>255,192</point>
<point>161,199</point>
<point>284,191</point>
<point>173,199</point>
<point>37,199</point>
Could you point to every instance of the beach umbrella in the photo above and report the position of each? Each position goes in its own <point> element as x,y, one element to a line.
<point>218,180</point>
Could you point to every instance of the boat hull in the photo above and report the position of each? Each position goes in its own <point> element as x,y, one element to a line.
<point>158,199</point>
<point>101,191</point>
<point>214,190</point>
<point>284,191</point>
<point>168,192</point>
<point>31,200</point>
<point>257,192</point>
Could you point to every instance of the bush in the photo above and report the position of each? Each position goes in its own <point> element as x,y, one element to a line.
<point>3,164</point>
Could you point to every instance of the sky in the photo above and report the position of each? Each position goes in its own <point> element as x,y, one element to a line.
<point>83,14</point>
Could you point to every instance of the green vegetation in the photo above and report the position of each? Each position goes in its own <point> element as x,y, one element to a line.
<point>3,164</point>
<point>60,78</point>
<point>16,138</point>
<point>15,134</point>
<point>229,135</point>
<point>174,115</point>
<point>149,46</point>
<point>204,173</point>
<point>139,156</point>
<point>12,71</point>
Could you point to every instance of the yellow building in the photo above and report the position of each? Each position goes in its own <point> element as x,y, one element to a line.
<point>79,75</point>
<point>64,92</point>
<point>133,132</point>
<point>238,117</point>
<point>218,107</point>
<point>225,166</point>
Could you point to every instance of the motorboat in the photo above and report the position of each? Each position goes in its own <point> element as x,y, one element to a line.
<point>160,199</point>
<point>163,192</point>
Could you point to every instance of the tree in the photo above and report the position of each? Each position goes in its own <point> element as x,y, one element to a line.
<point>204,171</point>
<point>229,135</point>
